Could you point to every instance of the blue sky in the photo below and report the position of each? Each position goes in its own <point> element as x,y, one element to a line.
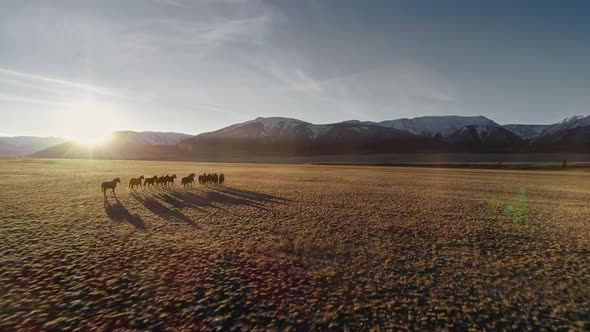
<point>70,68</point>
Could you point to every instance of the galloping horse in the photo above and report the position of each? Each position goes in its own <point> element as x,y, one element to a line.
<point>110,185</point>
<point>135,182</point>
<point>188,180</point>
<point>170,179</point>
<point>150,182</point>
<point>162,180</point>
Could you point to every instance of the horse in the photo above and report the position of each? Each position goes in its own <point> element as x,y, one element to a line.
<point>110,185</point>
<point>188,180</point>
<point>221,178</point>
<point>135,182</point>
<point>170,179</point>
<point>150,182</point>
<point>162,180</point>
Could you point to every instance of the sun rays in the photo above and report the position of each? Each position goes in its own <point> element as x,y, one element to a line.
<point>88,123</point>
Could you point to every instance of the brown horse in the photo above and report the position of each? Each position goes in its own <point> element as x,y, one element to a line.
<point>170,179</point>
<point>135,182</point>
<point>150,182</point>
<point>188,180</point>
<point>110,185</point>
<point>161,181</point>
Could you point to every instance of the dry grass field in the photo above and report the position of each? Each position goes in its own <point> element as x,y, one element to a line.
<point>293,247</point>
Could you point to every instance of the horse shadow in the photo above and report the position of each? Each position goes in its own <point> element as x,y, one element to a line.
<point>215,198</point>
<point>252,195</point>
<point>191,199</point>
<point>161,210</point>
<point>117,212</point>
<point>226,199</point>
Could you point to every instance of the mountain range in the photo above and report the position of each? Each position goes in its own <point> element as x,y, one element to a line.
<point>24,145</point>
<point>284,136</point>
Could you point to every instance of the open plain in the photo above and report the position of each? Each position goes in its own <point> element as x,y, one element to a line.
<point>300,247</point>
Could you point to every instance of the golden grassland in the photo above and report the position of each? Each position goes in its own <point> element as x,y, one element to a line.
<point>293,247</point>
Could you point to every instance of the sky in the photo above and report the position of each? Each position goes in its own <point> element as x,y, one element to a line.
<point>80,68</point>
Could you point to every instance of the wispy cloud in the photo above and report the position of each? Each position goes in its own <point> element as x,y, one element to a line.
<point>36,101</point>
<point>46,79</point>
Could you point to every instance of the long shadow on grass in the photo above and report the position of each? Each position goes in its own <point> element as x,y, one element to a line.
<point>217,198</point>
<point>210,197</point>
<point>118,213</point>
<point>250,195</point>
<point>159,209</point>
<point>220,197</point>
<point>188,199</point>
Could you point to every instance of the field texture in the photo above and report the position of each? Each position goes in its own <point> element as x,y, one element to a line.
<point>283,247</point>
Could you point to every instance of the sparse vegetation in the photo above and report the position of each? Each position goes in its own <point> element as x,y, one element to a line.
<point>515,209</point>
<point>293,247</point>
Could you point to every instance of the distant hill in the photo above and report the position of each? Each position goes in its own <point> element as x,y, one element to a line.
<point>442,126</point>
<point>576,139</point>
<point>284,136</point>
<point>526,132</point>
<point>111,150</point>
<point>279,136</point>
<point>571,134</point>
<point>150,137</point>
<point>464,133</point>
<point>122,145</point>
<point>486,138</point>
<point>24,145</point>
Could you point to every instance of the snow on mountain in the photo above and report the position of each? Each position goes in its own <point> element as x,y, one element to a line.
<point>526,132</point>
<point>284,135</point>
<point>488,136</point>
<point>568,123</point>
<point>150,137</point>
<point>272,128</point>
<point>24,145</point>
<point>438,125</point>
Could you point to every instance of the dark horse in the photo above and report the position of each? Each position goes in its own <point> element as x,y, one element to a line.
<point>162,181</point>
<point>170,179</point>
<point>150,182</point>
<point>188,180</point>
<point>135,182</point>
<point>110,185</point>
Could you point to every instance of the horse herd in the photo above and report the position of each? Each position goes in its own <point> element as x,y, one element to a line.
<point>165,181</point>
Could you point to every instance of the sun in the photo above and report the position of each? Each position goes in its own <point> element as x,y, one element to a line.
<point>91,139</point>
<point>88,123</point>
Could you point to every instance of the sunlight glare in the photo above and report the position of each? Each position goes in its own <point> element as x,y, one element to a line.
<point>89,124</point>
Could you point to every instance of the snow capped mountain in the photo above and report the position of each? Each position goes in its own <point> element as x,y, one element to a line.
<point>261,127</point>
<point>24,145</point>
<point>546,133</point>
<point>438,125</point>
<point>568,123</point>
<point>526,132</point>
<point>486,137</point>
<point>150,137</point>
<point>572,119</point>
<point>284,135</point>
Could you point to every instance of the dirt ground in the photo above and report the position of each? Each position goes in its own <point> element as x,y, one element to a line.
<point>293,247</point>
